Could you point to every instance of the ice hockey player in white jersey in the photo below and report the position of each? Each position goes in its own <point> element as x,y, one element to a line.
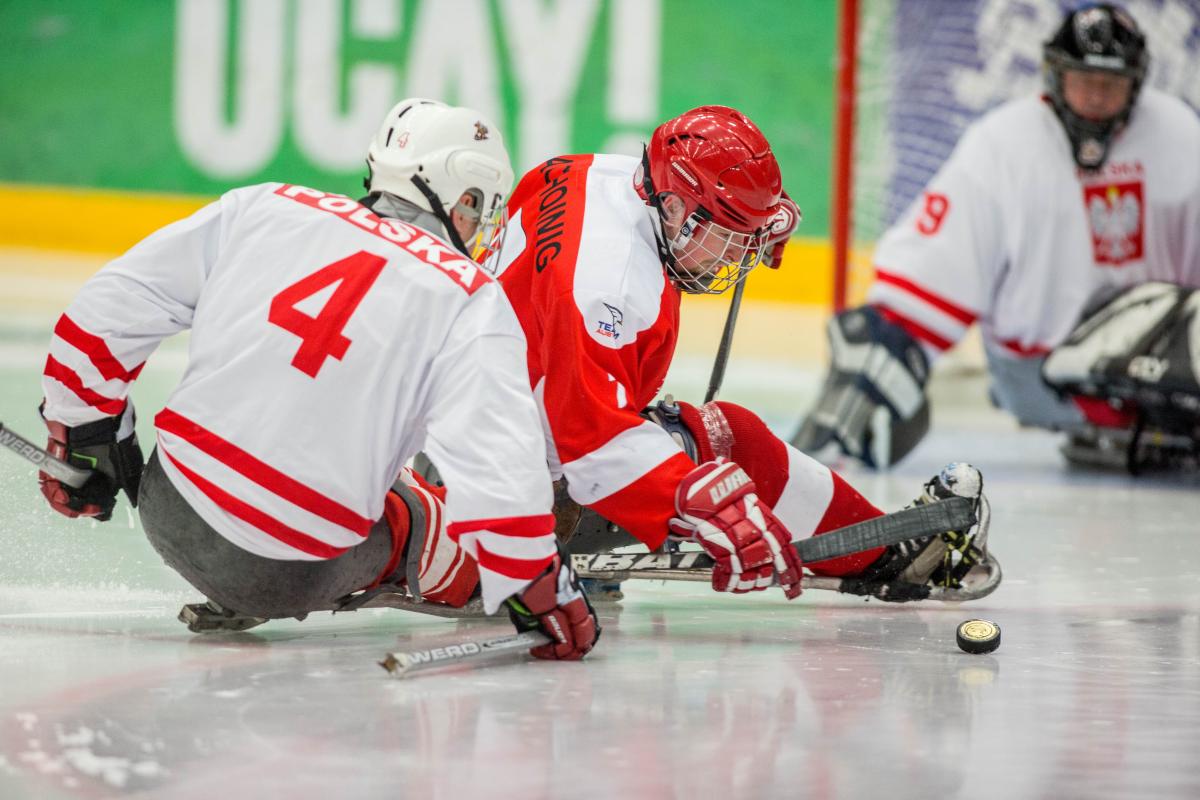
<point>330,341</point>
<point>1049,205</point>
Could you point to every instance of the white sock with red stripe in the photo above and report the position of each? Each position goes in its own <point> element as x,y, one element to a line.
<point>808,498</point>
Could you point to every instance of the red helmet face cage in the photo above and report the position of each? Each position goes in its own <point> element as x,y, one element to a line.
<point>719,163</point>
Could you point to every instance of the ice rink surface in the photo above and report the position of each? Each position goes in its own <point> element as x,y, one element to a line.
<point>1094,692</point>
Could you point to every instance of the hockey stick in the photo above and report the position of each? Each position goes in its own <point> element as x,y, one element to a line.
<point>54,467</point>
<point>931,519</point>
<point>400,664</point>
<point>955,513</point>
<point>975,585</point>
<point>951,514</point>
<point>718,371</point>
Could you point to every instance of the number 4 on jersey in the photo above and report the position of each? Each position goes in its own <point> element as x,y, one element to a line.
<point>321,336</point>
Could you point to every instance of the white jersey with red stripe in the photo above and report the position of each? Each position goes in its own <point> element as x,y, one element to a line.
<point>1012,234</point>
<point>327,347</point>
<point>580,265</point>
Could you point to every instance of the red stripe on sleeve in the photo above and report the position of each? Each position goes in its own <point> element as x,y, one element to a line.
<point>263,474</point>
<point>1024,351</point>
<point>516,568</point>
<point>942,304</point>
<point>644,506</point>
<point>96,349</point>
<point>70,379</point>
<point>517,527</point>
<point>916,330</point>
<point>265,523</point>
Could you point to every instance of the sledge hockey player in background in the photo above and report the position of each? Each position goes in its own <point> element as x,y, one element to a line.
<point>1048,206</point>
<point>595,256</point>
<point>331,340</point>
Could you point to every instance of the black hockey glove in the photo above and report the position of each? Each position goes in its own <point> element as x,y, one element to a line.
<point>873,405</point>
<point>116,463</point>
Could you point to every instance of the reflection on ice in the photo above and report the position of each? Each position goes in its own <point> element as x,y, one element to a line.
<point>1095,691</point>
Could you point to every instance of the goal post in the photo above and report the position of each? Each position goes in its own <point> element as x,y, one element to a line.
<point>843,150</point>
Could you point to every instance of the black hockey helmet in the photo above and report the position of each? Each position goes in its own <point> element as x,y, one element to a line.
<point>1100,37</point>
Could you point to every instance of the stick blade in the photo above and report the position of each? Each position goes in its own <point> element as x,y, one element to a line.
<point>399,664</point>
<point>951,514</point>
<point>396,664</point>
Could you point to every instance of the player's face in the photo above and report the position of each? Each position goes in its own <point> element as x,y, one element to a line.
<point>708,256</point>
<point>704,251</point>
<point>1096,96</point>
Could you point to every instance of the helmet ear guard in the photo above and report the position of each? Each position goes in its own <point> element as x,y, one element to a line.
<point>478,173</point>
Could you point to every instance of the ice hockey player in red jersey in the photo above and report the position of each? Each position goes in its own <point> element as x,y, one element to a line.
<point>330,341</point>
<point>596,254</point>
<point>1049,206</point>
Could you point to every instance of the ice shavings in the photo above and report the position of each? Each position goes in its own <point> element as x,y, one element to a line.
<point>77,758</point>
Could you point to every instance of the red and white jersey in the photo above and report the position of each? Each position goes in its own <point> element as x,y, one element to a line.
<point>1012,234</point>
<point>328,346</point>
<point>581,268</point>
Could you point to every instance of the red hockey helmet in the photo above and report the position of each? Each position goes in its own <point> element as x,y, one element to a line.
<point>719,163</point>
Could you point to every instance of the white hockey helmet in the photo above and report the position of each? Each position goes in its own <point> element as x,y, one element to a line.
<point>430,154</point>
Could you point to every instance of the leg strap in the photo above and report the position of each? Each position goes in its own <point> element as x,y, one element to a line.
<point>409,559</point>
<point>668,415</point>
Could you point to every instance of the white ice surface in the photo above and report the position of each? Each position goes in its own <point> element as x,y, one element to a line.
<point>1094,692</point>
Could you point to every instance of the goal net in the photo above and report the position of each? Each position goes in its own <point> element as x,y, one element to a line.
<point>924,69</point>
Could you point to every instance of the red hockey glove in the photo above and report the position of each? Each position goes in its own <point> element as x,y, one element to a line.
<point>117,464</point>
<point>718,508</point>
<point>554,604</point>
<point>783,224</point>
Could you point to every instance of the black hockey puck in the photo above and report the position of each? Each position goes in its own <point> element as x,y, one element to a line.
<point>978,636</point>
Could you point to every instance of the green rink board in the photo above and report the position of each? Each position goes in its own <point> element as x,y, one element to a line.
<point>95,92</point>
